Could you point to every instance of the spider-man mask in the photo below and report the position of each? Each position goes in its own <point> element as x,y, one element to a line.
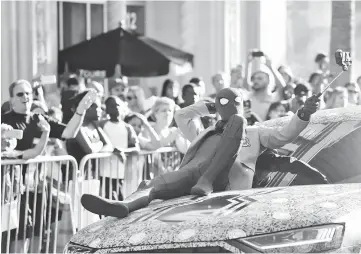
<point>229,102</point>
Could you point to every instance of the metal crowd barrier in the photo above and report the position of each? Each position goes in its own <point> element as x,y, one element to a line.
<point>37,204</point>
<point>40,198</point>
<point>114,177</point>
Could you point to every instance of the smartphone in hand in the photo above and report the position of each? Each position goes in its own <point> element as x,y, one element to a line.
<point>247,104</point>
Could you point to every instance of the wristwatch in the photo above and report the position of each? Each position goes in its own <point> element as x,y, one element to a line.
<point>303,115</point>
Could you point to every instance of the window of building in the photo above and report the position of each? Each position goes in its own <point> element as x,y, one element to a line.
<point>74,23</point>
<point>79,21</point>
<point>97,19</point>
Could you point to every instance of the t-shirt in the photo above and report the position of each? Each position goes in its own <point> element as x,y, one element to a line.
<point>29,126</point>
<point>121,134</point>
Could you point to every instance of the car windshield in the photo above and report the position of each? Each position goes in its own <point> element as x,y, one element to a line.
<point>332,148</point>
<point>341,161</point>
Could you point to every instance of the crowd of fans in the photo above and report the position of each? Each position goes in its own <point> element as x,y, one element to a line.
<point>127,122</point>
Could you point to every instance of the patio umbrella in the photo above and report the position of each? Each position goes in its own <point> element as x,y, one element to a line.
<point>138,56</point>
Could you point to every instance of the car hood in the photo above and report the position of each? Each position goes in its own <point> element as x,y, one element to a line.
<point>224,216</point>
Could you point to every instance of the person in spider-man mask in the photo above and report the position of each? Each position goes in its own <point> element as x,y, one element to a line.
<point>220,158</point>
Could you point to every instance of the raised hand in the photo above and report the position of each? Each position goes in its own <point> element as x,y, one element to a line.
<point>310,107</point>
<point>43,124</point>
<point>268,60</point>
<point>87,101</point>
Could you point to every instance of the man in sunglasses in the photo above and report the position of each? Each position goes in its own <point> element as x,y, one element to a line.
<point>20,116</point>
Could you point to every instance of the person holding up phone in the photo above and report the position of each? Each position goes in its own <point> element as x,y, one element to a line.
<point>261,84</point>
<point>251,117</point>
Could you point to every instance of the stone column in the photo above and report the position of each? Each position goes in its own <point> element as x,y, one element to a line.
<point>342,37</point>
<point>217,36</point>
<point>189,31</point>
<point>8,47</point>
<point>264,29</point>
<point>117,12</point>
<point>232,34</point>
<point>25,33</point>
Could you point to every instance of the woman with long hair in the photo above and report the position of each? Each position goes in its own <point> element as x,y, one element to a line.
<point>136,99</point>
<point>171,90</point>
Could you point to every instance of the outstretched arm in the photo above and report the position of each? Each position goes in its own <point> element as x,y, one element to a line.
<point>72,128</point>
<point>271,137</point>
<point>188,119</point>
<point>277,137</point>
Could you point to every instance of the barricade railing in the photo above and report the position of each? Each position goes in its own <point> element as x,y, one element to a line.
<point>114,176</point>
<point>37,204</point>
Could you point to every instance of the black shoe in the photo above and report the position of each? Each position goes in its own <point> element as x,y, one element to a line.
<point>102,206</point>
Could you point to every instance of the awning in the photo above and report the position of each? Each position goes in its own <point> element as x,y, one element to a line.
<point>138,56</point>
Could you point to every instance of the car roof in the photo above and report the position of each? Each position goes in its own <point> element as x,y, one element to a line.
<point>322,117</point>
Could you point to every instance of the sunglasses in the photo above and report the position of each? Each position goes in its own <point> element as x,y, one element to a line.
<point>21,94</point>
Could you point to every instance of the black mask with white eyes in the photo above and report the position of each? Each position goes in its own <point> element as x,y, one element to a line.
<point>224,101</point>
<point>229,102</point>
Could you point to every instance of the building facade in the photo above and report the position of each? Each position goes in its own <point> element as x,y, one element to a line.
<point>218,33</point>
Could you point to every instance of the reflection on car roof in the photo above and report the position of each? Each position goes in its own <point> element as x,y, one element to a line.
<point>322,117</point>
